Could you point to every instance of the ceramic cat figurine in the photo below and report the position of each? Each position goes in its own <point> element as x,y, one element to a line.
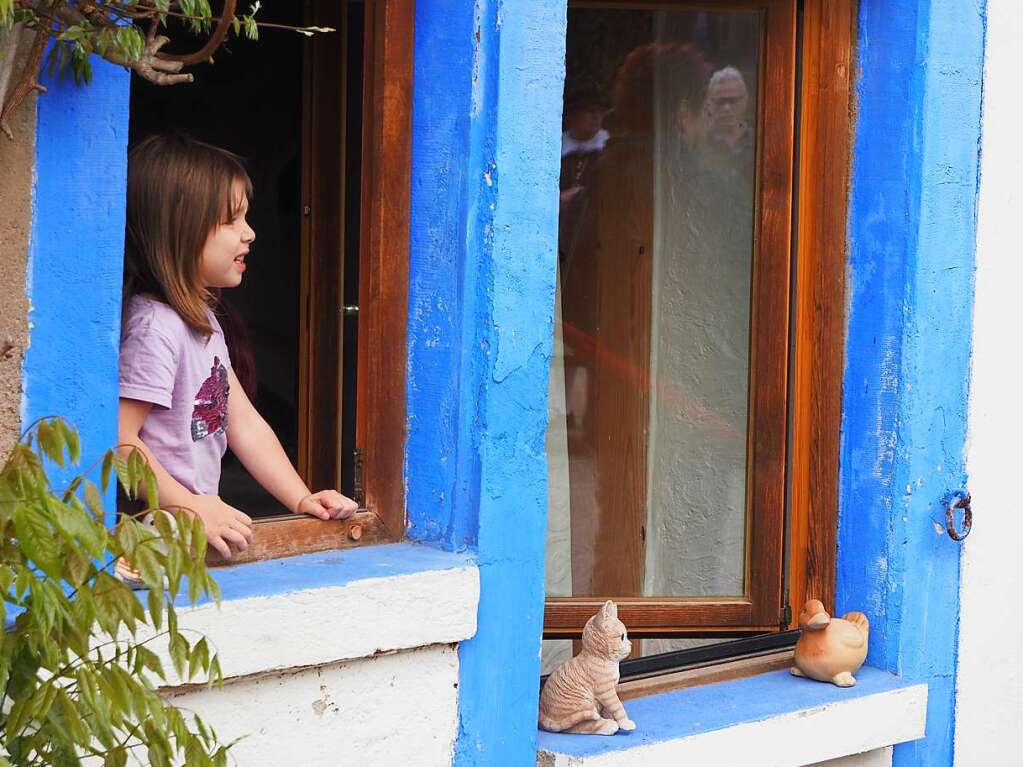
<point>580,695</point>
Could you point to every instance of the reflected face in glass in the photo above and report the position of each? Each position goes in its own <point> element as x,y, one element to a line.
<point>727,101</point>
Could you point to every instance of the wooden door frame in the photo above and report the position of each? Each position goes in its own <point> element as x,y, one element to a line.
<point>815,380</point>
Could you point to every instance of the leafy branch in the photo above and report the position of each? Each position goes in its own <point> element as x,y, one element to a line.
<point>78,673</point>
<point>124,32</point>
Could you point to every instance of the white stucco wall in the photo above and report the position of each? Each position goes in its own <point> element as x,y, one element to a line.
<point>990,677</point>
<point>340,659</point>
<point>396,709</point>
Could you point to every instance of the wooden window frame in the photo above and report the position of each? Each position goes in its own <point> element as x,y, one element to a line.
<point>383,292</point>
<point>810,382</point>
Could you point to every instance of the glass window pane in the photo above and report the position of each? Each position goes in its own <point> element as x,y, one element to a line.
<point>649,393</point>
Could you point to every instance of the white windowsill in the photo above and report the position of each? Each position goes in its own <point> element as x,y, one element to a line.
<point>332,606</point>
<point>770,720</point>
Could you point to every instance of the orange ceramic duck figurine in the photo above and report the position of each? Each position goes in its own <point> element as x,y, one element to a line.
<point>830,649</point>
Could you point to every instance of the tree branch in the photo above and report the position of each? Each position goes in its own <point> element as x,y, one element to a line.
<point>219,33</point>
<point>27,82</point>
<point>152,66</point>
<point>9,41</point>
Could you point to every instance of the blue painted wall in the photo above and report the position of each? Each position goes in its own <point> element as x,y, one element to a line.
<point>441,473</point>
<point>912,231</point>
<point>486,138</point>
<point>76,254</point>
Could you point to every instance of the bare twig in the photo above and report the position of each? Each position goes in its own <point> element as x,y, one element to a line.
<point>219,33</point>
<point>28,81</point>
<point>9,43</point>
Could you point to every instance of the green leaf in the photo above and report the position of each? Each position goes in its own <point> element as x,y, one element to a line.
<point>121,469</point>
<point>49,441</point>
<point>151,661</point>
<point>199,659</point>
<point>215,672</point>
<point>71,441</point>
<point>152,491</point>
<point>196,755</point>
<point>155,602</point>
<point>36,539</point>
<point>93,499</point>
<point>178,649</point>
<point>108,465</point>
<point>78,568</point>
<point>135,465</point>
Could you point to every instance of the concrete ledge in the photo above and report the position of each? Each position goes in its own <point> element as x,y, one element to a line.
<point>322,608</point>
<point>771,720</point>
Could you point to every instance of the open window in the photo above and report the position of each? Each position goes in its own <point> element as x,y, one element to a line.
<point>696,375</point>
<point>324,126</point>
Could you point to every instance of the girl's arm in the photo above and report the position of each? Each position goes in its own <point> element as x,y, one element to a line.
<point>226,527</point>
<point>257,447</point>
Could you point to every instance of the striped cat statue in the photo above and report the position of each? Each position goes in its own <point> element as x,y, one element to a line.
<point>580,695</point>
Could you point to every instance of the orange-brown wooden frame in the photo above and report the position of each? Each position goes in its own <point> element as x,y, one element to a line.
<point>384,274</point>
<point>324,105</point>
<point>383,269</point>
<point>825,151</point>
<point>383,287</point>
<point>816,362</point>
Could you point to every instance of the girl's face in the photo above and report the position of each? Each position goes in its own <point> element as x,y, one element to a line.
<point>222,261</point>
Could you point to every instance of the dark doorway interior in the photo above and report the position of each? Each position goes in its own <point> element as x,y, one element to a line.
<point>251,103</point>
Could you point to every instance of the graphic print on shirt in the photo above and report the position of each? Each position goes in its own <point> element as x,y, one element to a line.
<point>209,416</point>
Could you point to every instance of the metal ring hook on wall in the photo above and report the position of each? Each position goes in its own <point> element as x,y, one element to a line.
<point>959,500</point>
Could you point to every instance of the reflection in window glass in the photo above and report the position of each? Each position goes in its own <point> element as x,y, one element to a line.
<point>649,389</point>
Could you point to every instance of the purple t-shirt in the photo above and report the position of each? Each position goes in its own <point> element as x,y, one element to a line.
<point>184,375</point>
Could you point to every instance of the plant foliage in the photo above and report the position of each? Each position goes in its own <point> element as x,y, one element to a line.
<point>125,32</point>
<point>80,659</point>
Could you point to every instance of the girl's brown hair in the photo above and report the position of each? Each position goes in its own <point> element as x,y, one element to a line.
<point>179,191</point>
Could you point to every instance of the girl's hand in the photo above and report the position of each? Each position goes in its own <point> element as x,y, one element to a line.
<point>227,529</point>
<point>327,504</point>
